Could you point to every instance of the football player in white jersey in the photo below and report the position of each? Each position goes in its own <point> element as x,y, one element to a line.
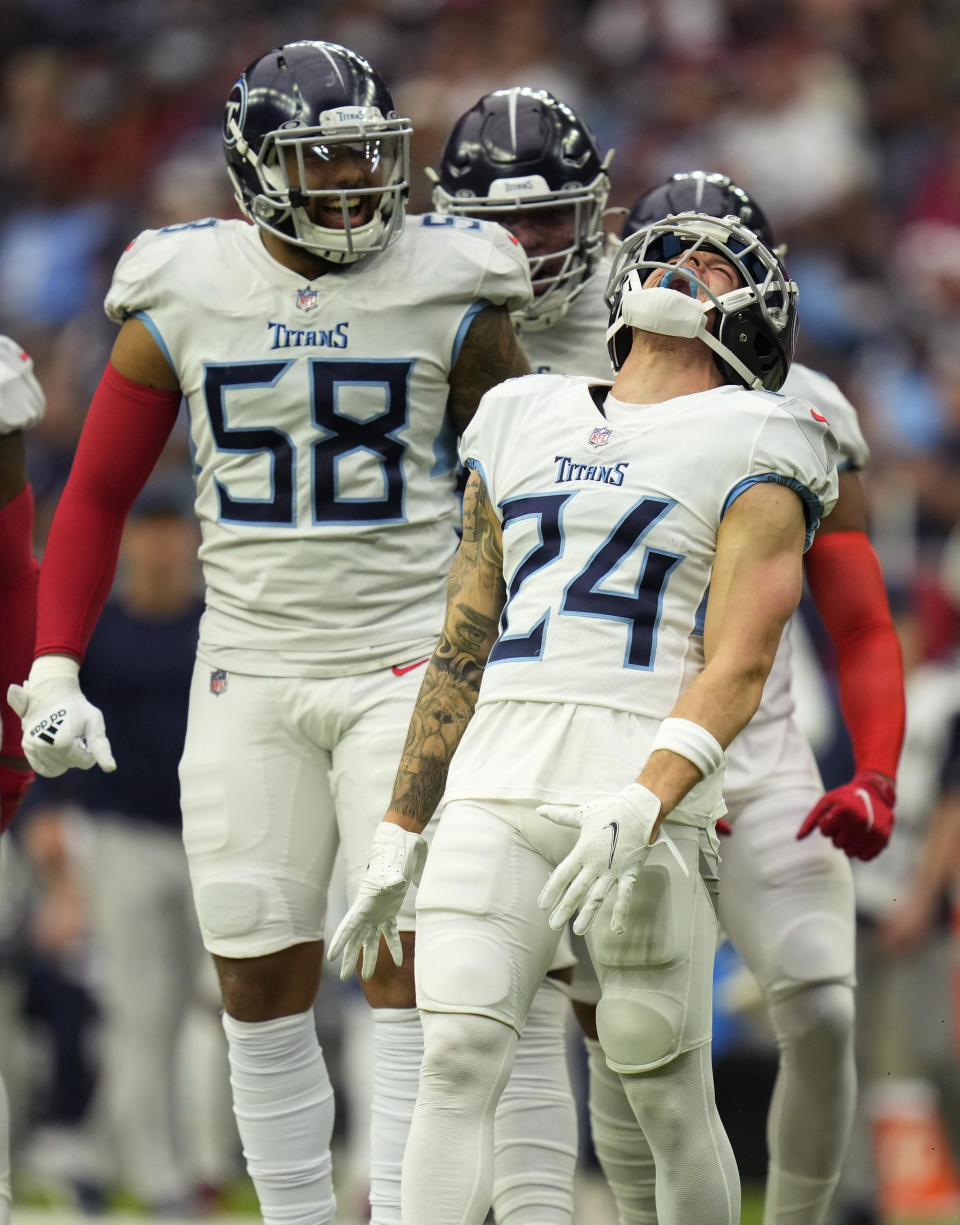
<point>329,354</point>
<point>771,782</point>
<point>572,658</point>
<point>524,158</point>
<point>788,906</point>
<point>22,404</point>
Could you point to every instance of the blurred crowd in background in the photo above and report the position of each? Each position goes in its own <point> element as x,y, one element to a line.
<point>842,117</point>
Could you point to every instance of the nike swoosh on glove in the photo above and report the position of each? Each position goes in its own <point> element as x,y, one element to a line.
<point>857,817</point>
<point>395,861</point>
<point>614,841</point>
<point>60,727</point>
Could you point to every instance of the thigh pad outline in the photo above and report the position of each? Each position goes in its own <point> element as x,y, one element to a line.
<point>656,977</point>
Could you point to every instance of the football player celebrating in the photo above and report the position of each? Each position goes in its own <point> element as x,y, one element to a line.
<point>802,952</point>
<point>788,907</point>
<point>612,613</point>
<point>328,354</point>
<point>21,405</point>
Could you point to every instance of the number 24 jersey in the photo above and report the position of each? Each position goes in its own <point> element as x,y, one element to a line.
<point>610,528</point>
<point>324,457</point>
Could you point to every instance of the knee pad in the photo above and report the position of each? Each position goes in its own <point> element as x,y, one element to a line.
<point>817,948</point>
<point>463,1055</point>
<point>640,1033</point>
<point>461,970</point>
<point>254,914</point>
<point>230,907</point>
<point>817,1020</point>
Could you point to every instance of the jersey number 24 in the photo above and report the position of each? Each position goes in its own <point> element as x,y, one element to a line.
<point>585,595</point>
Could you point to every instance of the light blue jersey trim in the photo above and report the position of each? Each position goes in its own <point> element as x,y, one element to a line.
<point>477,467</point>
<point>155,333</point>
<point>468,318</point>
<point>812,506</point>
<point>445,449</point>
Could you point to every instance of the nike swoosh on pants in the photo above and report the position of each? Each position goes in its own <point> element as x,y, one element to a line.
<point>399,670</point>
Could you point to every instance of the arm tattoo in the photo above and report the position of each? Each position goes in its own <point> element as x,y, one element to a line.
<point>490,354</point>
<point>448,695</point>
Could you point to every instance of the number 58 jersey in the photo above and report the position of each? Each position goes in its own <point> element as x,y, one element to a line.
<point>610,524</point>
<point>318,417</point>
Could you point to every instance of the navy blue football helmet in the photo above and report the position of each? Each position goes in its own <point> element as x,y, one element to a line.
<point>521,150</point>
<point>751,329</point>
<point>316,151</point>
<point>699,191</point>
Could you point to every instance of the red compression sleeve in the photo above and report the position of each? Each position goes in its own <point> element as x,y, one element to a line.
<point>18,609</point>
<point>846,582</point>
<point>122,438</point>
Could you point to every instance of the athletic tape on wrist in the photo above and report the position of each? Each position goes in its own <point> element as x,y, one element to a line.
<point>692,741</point>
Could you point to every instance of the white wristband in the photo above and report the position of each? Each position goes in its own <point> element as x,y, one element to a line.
<point>54,667</point>
<point>692,741</point>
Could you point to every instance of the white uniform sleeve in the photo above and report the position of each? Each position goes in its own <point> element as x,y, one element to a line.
<point>483,437</point>
<point>478,260</point>
<point>506,277</point>
<point>22,401</point>
<point>153,272</point>
<point>794,447</point>
<point>829,400</point>
<point>492,444</point>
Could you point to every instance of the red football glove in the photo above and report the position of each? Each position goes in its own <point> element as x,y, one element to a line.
<point>858,816</point>
<point>724,827</point>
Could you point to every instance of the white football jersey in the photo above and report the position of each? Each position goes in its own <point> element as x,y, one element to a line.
<point>324,455</point>
<point>610,524</point>
<point>576,343</point>
<point>828,399</point>
<point>22,401</point>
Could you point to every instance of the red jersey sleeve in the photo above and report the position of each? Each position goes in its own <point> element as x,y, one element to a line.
<point>124,433</point>
<point>847,585</point>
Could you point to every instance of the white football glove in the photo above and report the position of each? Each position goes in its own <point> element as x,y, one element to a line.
<point>613,843</point>
<point>394,862</point>
<point>21,398</point>
<point>60,727</point>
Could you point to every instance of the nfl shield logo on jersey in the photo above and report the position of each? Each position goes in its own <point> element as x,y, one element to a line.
<point>600,436</point>
<point>218,682</point>
<point>306,299</point>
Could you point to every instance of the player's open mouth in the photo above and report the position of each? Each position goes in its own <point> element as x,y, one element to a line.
<point>681,284</point>
<point>359,210</point>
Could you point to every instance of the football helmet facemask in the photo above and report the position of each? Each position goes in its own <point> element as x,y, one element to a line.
<point>316,151</point>
<point>522,151</point>
<point>751,329</point>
